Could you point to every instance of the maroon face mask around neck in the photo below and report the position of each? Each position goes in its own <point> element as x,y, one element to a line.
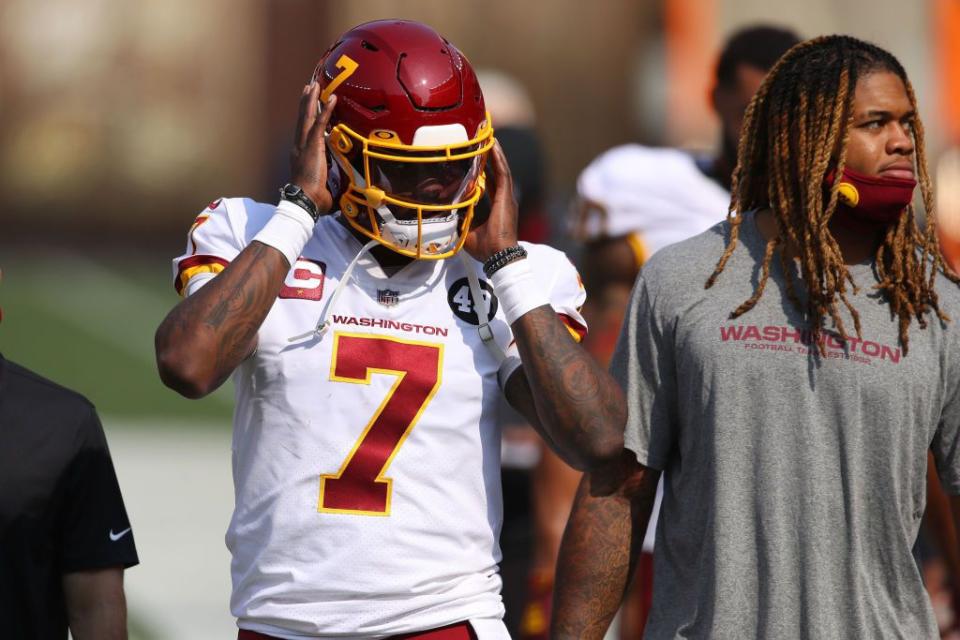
<point>872,199</point>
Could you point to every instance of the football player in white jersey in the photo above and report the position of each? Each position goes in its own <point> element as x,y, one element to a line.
<point>368,348</point>
<point>633,200</point>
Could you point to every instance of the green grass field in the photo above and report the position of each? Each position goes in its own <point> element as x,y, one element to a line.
<point>88,323</point>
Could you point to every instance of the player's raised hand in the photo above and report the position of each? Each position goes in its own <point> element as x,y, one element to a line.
<point>308,158</point>
<point>500,229</point>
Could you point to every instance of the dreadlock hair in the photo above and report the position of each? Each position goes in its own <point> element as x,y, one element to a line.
<point>795,131</point>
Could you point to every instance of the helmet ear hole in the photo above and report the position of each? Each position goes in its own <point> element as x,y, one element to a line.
<point>349,207</point>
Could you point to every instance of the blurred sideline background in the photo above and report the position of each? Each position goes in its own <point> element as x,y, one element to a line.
<point>121,119</point>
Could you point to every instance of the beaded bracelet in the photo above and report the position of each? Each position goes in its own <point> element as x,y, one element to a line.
<point>502,258</point>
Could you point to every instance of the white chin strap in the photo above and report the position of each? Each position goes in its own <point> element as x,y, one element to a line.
<point>481,307</point>
<point>440,234</point>
<point>322,323</point>
<point>436,235</point>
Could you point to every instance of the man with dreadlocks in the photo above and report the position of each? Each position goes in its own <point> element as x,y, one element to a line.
<point>792,400</point>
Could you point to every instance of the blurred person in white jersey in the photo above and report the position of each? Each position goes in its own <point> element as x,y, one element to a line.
<point>633,200</point>
<point>370,323</point>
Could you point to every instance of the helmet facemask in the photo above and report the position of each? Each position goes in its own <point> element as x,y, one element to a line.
<point>416,199</point>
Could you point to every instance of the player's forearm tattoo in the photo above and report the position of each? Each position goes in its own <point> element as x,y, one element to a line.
<point>578,403</point>
<point>600,547</point>
<point>218,324</point>
<point>243,304</point>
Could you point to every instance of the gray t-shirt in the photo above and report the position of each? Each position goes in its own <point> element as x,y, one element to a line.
<point>794,487</point>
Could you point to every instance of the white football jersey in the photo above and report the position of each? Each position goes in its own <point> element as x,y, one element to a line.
<point>659,196</point>
<point>366,462</point>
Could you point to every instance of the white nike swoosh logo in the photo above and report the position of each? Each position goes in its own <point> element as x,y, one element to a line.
<point>116,536</point>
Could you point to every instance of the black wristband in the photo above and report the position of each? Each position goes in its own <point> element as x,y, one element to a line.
<point>296,195</point>
<point>502,258</point>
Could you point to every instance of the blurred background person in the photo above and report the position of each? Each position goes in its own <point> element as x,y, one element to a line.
<point>511,106</point>
<point>634,199</point>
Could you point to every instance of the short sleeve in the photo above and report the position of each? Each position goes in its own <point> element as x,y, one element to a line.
<point>565,292</point>
<point>95,530</point>
<point>212,242</point>
<point>644,366</point>
<point>946,440</point>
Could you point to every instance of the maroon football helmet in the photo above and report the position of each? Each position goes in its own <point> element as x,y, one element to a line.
<point>409,134</point>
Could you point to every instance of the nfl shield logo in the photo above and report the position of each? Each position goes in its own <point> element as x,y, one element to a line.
<point>388,297</point>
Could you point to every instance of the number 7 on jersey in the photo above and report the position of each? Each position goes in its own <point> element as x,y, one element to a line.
<point>359,487</point>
